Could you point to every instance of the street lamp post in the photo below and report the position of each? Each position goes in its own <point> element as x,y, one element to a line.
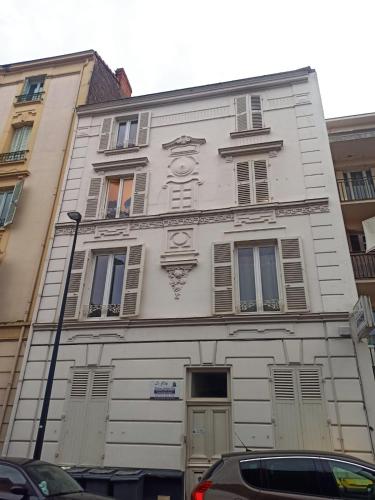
<point>76,216</point>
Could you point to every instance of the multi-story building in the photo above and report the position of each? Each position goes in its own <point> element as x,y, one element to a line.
<point>37,115</point>
<point>211,285</point>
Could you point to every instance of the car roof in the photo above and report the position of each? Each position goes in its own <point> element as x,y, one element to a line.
<point>286,453</point>
<point>18,460</point>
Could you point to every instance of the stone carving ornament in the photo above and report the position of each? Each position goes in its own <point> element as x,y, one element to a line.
<point>177,277</point>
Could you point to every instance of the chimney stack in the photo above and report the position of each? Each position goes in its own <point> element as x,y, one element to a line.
<point>123,82</point>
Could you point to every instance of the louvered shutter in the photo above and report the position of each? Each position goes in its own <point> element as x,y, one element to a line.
<point>93,198</point>
<point>222,278</point>
<point>261,181</point>
<point>105,134</point>
<point>256,111</point>
<point>74,418</point>
<point>132,287</point>
<point>286,410</point>
<point>243,183</point>
<point>74,291</point>
<point>242,121</point>
<point>20,138</point>
<point>293,273</point>
<point>143,132</point>
<point>13,203</point>
<point>313,412</point>
<point>140,185</point>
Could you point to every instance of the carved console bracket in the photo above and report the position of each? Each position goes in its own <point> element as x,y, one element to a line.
<point>177,275</point>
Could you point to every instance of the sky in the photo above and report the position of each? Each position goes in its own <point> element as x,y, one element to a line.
<point>170,44</point>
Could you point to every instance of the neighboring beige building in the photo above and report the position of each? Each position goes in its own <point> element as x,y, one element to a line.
<point>211,286</point>
<point>37,117</point>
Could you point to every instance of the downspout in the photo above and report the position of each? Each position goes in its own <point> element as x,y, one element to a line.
<point>34,296</point>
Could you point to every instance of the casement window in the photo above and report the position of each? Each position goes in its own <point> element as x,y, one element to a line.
<point>117,197</point>
<point>8,203</point>
<point>252,182</point>
<point>259,277</point>
<point>299,410</point>
<point>125,132</point>
<point>357,242</point>
<point>113,283</point>
<point>20,138</point>
<point>32,89</point>
<point>249,113</point>
<point>84,422</point>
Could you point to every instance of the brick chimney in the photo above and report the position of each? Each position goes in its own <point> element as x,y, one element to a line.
<point>123,82</point>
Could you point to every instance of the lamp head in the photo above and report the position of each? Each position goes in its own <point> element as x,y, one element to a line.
<point>76,216</point>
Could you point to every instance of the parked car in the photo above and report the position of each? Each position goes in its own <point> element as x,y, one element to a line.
<point>292,475</point>
<point>27,479</point>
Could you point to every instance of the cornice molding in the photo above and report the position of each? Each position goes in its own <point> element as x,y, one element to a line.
<point>198,321</point>
<point>106,166</point>
<point>285,209</point>
<point>250,149</point>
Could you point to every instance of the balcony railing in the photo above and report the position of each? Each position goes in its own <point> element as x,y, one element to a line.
<point>36,96</point>
<point>363,265</point>
<point>101,310</point>
<point>355,190</point>
<point>13,156</point>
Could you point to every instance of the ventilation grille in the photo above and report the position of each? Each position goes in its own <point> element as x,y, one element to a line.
<point>79,384</point>
<point>100,384</point>
<point>309,381</point>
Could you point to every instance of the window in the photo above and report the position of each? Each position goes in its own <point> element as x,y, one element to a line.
<point>32,90</point>
<point>9,476</point>
<point>353,481</point>
<point>292,475</point>
<point>258,279</point>
<point>127,134</point>
<point>251,472</point>
<point>8,202</point>
<point>357,242</point>
<point>119,197</point>
<point>249,113</point>
<point>107,285</point>
<point>52,480</point>
<point>209,384</point>
<point>252,182</point>
<point>20,138</point>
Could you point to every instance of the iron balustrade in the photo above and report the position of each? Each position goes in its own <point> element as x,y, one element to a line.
<point>363,265</point>
<point>13,156</point>
<point>358,189</point>
<point>36,96</point>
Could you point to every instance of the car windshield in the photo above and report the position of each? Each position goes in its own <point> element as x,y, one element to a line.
<point>51,480</point>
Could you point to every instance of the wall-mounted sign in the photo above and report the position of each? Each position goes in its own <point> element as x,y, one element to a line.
<point>165,389</point>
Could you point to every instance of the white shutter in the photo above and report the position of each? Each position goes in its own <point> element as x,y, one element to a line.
<point>75,285</point>
<point>132,287</point>
<point>105,134</point>
<point>261,181</point>
<point>93,198</point>
<point>222,278</point>
<point>242,121</point>
<point>140,186</point>
<point>9,216</point>
<point>293,273</point>
<point>243,183</point>
<point>256,111</point>
<point>143,132</point>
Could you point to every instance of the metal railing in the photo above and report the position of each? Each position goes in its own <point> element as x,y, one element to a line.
<point>13,156</point>
<point>100,310</point>
<point>36,96</point>
<point>363,265</point>
<point>354,190</point>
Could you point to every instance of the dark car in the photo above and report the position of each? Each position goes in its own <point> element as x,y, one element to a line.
<point>287,475</point>
<point>27,479</point>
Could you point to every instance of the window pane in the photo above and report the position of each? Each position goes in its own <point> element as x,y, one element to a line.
<point>9,476</point>
<point>251,473</point>
<point>133,133</point>
<point>209,385</point>
<point>268,274</point>
<point>354,481</point>
<point>5,199</point>
<point>116,285</point>
<point>113,189</point>
<point>98,284</point>
<point>121,135</point>
<point>247,279</point>
<point>292,475</point>
<point>126,197</point>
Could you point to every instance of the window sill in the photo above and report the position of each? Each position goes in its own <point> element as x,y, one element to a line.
<point>134,149</point>
<point>250,133</point>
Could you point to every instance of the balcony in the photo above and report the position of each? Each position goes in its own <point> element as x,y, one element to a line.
<point>356,190</point>
<point>13,156</point>
<point>363,266</point>
<point>32,97</point>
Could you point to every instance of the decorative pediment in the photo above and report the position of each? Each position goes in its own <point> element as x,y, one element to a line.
<point>184,140</point>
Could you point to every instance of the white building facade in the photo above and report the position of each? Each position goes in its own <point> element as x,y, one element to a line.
<point>211,285</point>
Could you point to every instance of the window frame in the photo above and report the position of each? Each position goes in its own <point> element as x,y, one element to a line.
<point>39,79</point>
<point>257,276</point>
<point>108,279</point>
<point>127,120</point>
<point>208,400</point>
<point>121,178</point>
